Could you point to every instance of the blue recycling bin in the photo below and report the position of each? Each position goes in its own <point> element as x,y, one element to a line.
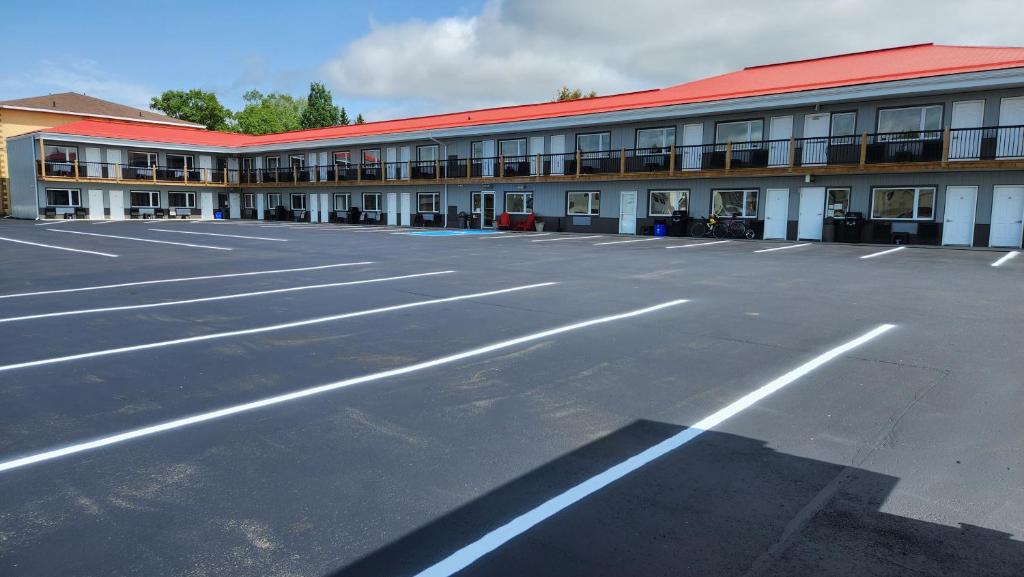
<point>660,229</point>
<point>217,214</point>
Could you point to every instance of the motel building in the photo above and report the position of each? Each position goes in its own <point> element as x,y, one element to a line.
<point>919,144</point>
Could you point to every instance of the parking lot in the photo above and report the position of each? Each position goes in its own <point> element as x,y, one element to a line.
<point>248,398</point>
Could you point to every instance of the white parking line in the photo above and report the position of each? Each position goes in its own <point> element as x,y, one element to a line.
<point>58,247</point>
<point>142,239</point>
<point>788,246</point>
<point>218,234</point>
<point>624,241</point>
<point>182,279</point>
<point>515,235</point>
<point>263,329</point>
<point>1006,257</point>
<point>309,392</point>
<point>52,222</point>
<point>697,244</point>
<point>103,222</point>
<point>469,554</point>
<point>221,297</point>
<point>891,250</point>
<point>568,238</point>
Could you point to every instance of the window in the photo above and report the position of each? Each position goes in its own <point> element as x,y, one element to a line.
<point>297,161</point>
<point>513,147</point>
<point>909,203</point>
<point>180,161</point>
<point>519,202</point>
<point>342,202</point>
<point>594,142</point>
<point>145,198</point>
<point>655,140</point>
<point>904,123</point>
<point>142,159</point>
<point>740,131</point>
<point>426,153</point>
<point>428,201</point>
<point>663,202</point>
<point>371,201</point>
<point>371,156</point>
<point>342,159</point>
<point>837,202</point>
<point>584,203</point>
<point>248,164</point>
<point>272,162</point>
<point>844,124</point>
<point>476,149</point>
<point>298,202</point>
<point>273,200</point>
<point>183,200</point>
<point>248,201</point>
<point>61,153</point>
<point>63,197</point>
<point>734,203</point>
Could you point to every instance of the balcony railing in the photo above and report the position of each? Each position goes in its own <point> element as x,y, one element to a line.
<point>933,146</point>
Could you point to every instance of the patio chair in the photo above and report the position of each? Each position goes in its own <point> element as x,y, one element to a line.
<point>504,221</point>
<point>527,223</point>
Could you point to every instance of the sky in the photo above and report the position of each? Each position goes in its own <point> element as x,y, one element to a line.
<point>395,58</point>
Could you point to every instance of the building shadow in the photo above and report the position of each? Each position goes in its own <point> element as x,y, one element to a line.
<point>722,505</point>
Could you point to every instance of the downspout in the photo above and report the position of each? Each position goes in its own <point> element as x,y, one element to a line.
<point>444,195</point>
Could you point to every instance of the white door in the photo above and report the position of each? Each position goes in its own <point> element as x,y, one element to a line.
<point>116,205</point>
<point>627,212</point>
<point>693,138</point>
<point>536,147</point>
<point>392,207</point>
<point>259,207</point>
<point>812,213</point>
<point>816,127</point>
<point>205,166</point>
<point>234,205</point>
<point>958,224</point>
<point>325,207</point>
<point>95,204</point>
<point>391,158</point>
<point>776,213</point>
<point>404,156</point>
<point>206,205</point>
<point>780,130</point>
<point>313,207</point>
<point>964,142</point>
<point>557,150</point>
<point>1010,143</point>
<point>323,164</point>
<point>487,164</point>
<point>406,209</point>
<point>93,162</point>
<point>1007,216</point>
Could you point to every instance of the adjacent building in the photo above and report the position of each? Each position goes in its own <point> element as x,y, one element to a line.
<point>918,144</point>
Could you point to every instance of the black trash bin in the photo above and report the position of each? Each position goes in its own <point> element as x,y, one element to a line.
<point>850,228</point>
<point>677,224</point>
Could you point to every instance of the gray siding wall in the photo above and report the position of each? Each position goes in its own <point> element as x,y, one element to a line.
<point>21,158</point>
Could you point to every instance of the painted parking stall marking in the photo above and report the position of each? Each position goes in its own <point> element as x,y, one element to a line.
<point>1005,258</point>
<point>698,244</point>
<point>568,238</point>
<point>39,244</point>
<point>218,234</point>
<point>266,329</point>
<point>624,241</point>
<point>884,252</point>
<point>788,246</point>
<point>137,239</point>
<point>469,554</point>
<point>518,235</point>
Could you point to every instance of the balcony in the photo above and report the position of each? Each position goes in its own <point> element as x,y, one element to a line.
<point>986,147</point>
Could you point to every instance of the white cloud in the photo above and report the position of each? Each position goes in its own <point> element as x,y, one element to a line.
<point>86,77</point>
<point>524,50</point>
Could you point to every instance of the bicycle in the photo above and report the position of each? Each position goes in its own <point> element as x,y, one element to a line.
<point>735,228</point>
<point>705,228</point>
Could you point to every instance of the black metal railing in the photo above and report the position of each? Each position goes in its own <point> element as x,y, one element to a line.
<point>993,143</point>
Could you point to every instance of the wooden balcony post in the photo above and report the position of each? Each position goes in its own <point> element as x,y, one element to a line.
<point>336,171</point>
<point>501,167</point>
<point>383,171</point>
<point>863,149</point>
<point>728,155</point>
<point>792,153</point>
<point>359,172</point>
<point>42,157</point>
<point>469,168</point>
<point>185,173</point>
<point>945,146</point>
<point>117,171</point>
<point>578,159</point>
<point>622,161</point>
<point>295,176</point>
<point>539,168</point>
<point>154,172</point>
<point>76,169</point>
<point>437,169</point>
<point>671,159</point>
<point>408,170</point>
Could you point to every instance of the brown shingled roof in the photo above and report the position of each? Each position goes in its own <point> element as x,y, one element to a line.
<point>74,103</point>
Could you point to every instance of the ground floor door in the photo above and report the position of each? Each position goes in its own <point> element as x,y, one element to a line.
<point>627,212</point>
<point>259,206</point>
<point>95,205</point>
<point>812,213</point>
<point>406,208</point>
<point>325,207</point>
<point>1007,216</point>
<point>776,213</point>
<point>234,205</point>
<point>815,143</point>
<point>958,224</point>
<point>313,207</point>
<point>116,205</point>
<point>206,205</point>
<point>392,206</point>
<point>483,203</point>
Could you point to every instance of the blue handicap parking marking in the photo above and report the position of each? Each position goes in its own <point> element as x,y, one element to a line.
<point>451,232</point>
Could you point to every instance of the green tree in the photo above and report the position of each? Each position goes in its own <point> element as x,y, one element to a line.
<point>320,110</point>
<point>193,105</point>
<point>343,117</point>
<point>360,119</point>
<point>566,93</point>
<point>268,113</point>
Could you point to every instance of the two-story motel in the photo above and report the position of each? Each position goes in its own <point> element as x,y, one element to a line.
<point>920,144</point>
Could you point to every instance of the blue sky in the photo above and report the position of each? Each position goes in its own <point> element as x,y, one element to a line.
<point>394,58</point>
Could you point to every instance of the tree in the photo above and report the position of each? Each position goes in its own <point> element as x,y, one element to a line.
<point>566,93</point>
<point>194,106</point>
<point>268,113</point>
<point>359,119</point>
<point>320,110</point>
<point>343,117</point>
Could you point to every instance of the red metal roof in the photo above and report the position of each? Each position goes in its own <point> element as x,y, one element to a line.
<point>886,65</point>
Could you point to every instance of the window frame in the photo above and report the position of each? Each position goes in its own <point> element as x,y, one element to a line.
<point>187,193</point>
<point>590,202</point>
<point>523,141</point>
<point>600,152</point>
<point>379,200</point>
<point>189,161</point>
<point>828,205</point>
<point>154,155</point>
<point>748,121</point>
<point>527,206</point>
<point>270,202</point>
<point>277,162</point>
<point>421,147</point>
<point>436,201</point>
<point>348,201</point>
<point>364,152</point>
<point>655,150</point>
<point>897,136</point>
<point>293,196</point>
<point>131,199</point>
<point>76,192</point>
<point>917,202</point>
<point>249,201</point>
<point>651,192</point>
<point>67,159</point>
<point>345,154</point>
<point>832,123</point>
<point>746,193</point>
<point>302,162</point>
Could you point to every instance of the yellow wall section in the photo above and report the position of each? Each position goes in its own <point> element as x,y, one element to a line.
<point>16,122</point>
